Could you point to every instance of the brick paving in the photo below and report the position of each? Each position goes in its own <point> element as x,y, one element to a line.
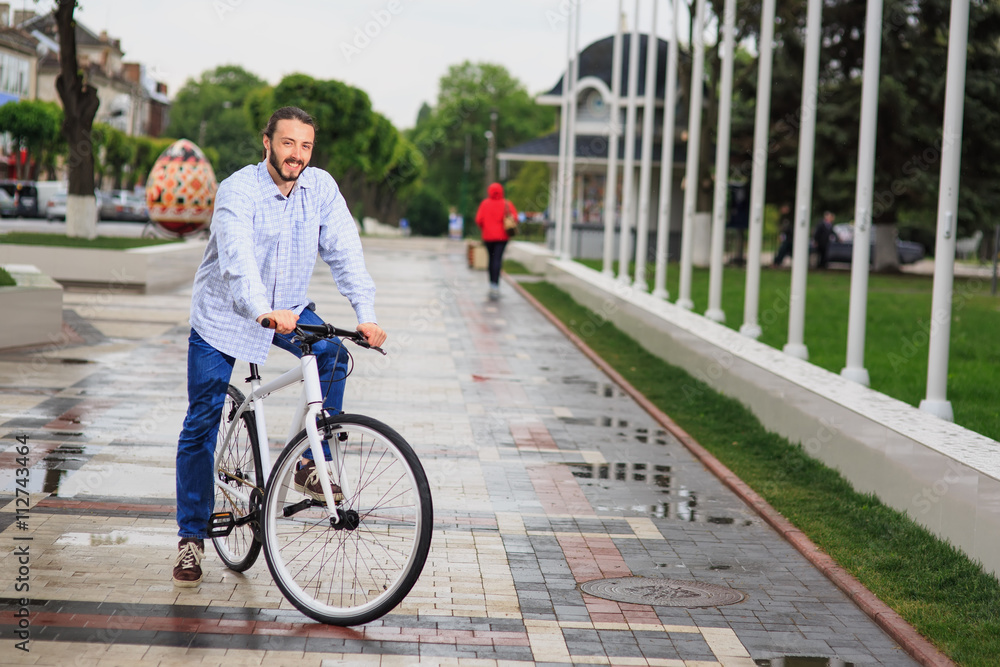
<point>545,475</point>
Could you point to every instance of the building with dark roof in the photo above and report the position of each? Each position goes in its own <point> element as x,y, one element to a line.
<point>130,100</point>
<point>593,123</point>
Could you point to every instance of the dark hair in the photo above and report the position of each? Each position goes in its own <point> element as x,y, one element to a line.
<point>285,113</point>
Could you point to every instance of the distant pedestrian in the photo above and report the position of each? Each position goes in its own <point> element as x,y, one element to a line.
<point>490,217</point>
<point>821,239</point>
<point>786,233</point>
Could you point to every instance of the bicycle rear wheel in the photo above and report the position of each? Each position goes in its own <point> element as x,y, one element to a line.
<point>238,468</point>
<point>361,568</point>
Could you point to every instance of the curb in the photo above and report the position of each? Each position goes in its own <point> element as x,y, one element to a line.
<point>915,644</point>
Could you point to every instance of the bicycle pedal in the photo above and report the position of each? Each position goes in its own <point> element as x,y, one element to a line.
<point>220,524</point>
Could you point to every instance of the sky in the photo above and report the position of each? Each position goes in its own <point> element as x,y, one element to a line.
<point>394,50</point>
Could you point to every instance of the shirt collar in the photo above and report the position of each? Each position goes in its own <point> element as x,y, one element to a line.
<point>264,177</point>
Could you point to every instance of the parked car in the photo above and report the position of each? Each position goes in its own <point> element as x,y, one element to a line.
<point>842,249</point>
<point>25,196</point>
<point>124,205</point>
<point>8,209</point>
<point>55,209</point>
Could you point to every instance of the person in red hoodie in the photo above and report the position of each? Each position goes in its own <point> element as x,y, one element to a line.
<point>489,217</point>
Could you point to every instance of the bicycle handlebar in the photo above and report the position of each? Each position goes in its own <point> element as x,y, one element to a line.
<point>321,331</point>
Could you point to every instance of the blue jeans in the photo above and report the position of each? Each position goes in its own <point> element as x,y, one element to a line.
<point>208,377</point>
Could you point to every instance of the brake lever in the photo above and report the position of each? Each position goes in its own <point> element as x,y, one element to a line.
<point>360,341</point>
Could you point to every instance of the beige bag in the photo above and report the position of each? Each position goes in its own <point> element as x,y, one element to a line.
<point>509,220</point>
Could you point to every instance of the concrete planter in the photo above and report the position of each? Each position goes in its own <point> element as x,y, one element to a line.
<point>36,305</point>
<point>148,270</point>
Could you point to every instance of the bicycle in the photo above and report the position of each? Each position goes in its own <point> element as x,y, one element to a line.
<point>344,562</point>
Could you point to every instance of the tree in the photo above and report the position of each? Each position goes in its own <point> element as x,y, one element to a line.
<point>115,151</point>
<point>529,190</point>
<point>35,127</point>
<point>374,166</point>
<point>80,104</point>
<point>212,113</point>
<point>427,214</point>
<point>468,94</point>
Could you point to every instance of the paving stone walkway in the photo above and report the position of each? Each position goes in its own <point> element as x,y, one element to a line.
<point>545,475</point>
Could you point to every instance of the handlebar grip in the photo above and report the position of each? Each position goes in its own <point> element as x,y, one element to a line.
<point>266,323</point>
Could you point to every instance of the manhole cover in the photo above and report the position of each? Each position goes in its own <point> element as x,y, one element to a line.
<point>662,592</point>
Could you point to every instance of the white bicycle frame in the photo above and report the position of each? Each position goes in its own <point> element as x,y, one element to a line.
<point>309,407</point>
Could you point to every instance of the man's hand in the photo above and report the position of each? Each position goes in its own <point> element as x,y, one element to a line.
<point>282,321</point>
<point>373,333</point>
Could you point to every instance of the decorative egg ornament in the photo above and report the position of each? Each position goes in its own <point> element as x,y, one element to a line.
<point>180,189</point>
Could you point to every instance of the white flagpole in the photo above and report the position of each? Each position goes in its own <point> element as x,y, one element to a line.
<point>628,207</point>
<point>858,310</point>
<point>646,159</point>
<point>803,193</point>
<point>758,180</point>
<point>614,130</point>
<point>693,154</point>
<point>715,312</point>
<point>937,402</point>
<point>667,161</point>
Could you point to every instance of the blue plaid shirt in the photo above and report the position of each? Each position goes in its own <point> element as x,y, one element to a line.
<point>261,255</point>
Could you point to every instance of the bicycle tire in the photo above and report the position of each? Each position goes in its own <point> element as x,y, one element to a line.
<point>349,576</point>
<point>240,466</point>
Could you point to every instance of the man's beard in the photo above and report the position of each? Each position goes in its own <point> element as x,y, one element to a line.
<point>277,168</point>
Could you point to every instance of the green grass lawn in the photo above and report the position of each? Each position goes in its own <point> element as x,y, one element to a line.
<point>61,240</point>
<point>935,587</point>
<point>896,342</point>
<point>6,280</point>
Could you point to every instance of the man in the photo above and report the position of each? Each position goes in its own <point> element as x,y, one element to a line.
<point>269,222</point>
<point>786,234</point>
<point>821,239</point>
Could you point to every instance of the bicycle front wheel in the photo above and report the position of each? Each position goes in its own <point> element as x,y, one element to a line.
<point>360,568</point>
<point>238,485</point>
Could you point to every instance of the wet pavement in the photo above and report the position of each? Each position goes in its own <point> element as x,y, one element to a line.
<point>545,475</point>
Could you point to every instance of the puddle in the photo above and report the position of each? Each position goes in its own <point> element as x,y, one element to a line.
<point>53,476</point>
<point>133,537</point>
<point>658,475</point>
<point>65,458</point>
<point>802,661</point>
<point>647,474</point>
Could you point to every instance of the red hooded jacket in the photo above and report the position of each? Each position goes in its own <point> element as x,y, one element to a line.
<point>491,212</point>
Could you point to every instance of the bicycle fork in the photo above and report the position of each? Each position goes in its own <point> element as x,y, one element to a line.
<point>313,408</point>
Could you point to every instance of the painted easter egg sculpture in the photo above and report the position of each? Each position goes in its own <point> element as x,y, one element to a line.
<point>180,189</point>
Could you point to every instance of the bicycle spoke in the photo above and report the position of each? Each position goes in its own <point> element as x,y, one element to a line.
<point>364,563</point>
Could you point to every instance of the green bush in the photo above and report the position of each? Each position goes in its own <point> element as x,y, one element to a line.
<point>427,214</point>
